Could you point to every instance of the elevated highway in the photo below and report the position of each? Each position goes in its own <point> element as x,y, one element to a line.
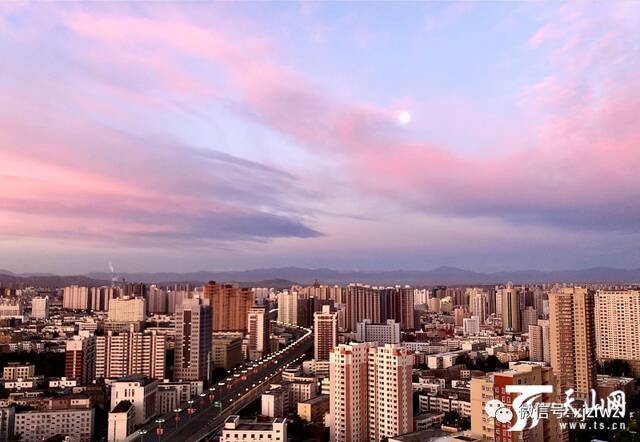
<point>201,417</point>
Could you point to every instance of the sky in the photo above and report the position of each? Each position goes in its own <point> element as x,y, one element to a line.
<point>183,136</point>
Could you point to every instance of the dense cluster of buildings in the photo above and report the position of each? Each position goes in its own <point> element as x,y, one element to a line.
<point>387,362</point>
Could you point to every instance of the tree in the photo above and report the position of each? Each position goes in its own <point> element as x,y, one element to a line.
<point>615,367</point>
<point>465,360</point>
<point>493,363</point>
<point>451,418</point>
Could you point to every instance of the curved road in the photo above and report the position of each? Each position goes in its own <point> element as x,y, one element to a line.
<point>203,416</point>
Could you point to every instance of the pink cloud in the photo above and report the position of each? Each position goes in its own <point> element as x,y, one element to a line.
<point>583,165</point>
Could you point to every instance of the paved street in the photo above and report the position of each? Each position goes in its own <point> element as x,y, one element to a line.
<point>196,420</point>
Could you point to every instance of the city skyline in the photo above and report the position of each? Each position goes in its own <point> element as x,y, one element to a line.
<point>487,136</point>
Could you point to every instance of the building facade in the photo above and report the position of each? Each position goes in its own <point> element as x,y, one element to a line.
<point>230,305</point>
<point>370,392</point>
<point>325,333</point>
<point>193,340</point>
<point>616,337</point>
<point>572,339</point>
<point>388,333</point>
<point>130,353</point>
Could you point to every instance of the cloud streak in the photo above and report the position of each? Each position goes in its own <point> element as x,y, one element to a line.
<point>70,156</point>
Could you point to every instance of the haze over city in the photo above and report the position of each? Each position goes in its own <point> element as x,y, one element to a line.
<point>200,136</point>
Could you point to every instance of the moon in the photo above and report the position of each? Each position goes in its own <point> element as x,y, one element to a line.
<point>404,118</point>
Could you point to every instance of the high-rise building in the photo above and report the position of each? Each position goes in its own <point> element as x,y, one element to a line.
<point>405,308</point>
<point>40,308</point>
<point>433,304</point>
<point>349,392</point>
<point>230,305</point>
<point>529,317</point>
<point>325,333</point>
<point>379,304</point>
<point>388,333</point>
<point>130,353</point>
<point>390,392</point>
<point>492,386</point>
<point>193,340</point>
<point>261,294</point>
<point>572,339</point>
<point>76,298</point>
<point>498,302</point>
<point>617,316</point>
<point>539,296</point>
<point>158,300</point>
<point>259,332</point>
<point>324,292</point>
<point>288,307</point>
<point>298,309</point>
<point>134,289</point>
<point>371,395</point>
<point>539,344</point>
<point>80,359</point>
<point>127,310</point>
<point>459,313</point>
<point>175,298</point>
<point>511,309</point>
<point>100,297</point>
<point>479,303</point>
<point>471,326</point>
<point>420,296</point>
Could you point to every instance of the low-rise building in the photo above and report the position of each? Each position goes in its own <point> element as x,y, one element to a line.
<point>172,394</point>
<point>37,425</point>
<point>237,430</point>
<point>62,382</point>
<point>7,422</point>
<point>314,409</point>
<point>608,384</point>
<point>121,419</point>
<point>138,390</point>
<point>427,420</point>
<point>226,352</point>
<point>275,402</point>
<point>443,404</point>
<point>18,370</point>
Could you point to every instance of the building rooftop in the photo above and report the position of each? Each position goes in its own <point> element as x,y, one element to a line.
<point>122,407</point>
<point>135,378</point>
<point>316,400</point>
<point>233,422</point>
<point>422,436</point>
<point>428,414</point>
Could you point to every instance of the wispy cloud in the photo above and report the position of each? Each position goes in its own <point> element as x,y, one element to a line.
<point>69,157</point>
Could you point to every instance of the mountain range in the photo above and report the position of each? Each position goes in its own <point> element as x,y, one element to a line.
<point>284,276</point>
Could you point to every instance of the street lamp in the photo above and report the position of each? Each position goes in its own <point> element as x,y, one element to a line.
<point>159,430</point>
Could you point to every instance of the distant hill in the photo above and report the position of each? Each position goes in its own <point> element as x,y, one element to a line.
<point>283,277</point>
<point>49,281</point>
<point>440,275</point>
